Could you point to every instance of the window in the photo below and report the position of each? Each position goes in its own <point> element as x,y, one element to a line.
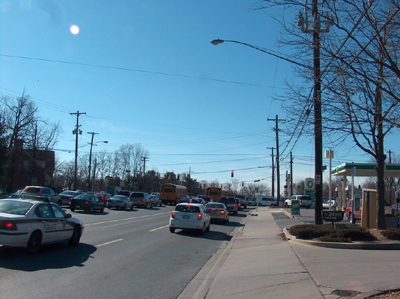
<point>44,211</point>
<point>188,209</point>
<point>58,212</point>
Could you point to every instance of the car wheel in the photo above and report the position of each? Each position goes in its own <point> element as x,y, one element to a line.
<point>91,210</point>
<point>132,207</point>
<point>124,207</point>
<point>151,205</point>
<point>172,229</point>
<point>208,227</point>
<point>160,204</point>
<point>59,203</point>
<point>259,204</point>
<point>72,210</point>
<point>76,236</point>
<point>102,209</point>
<point>34,243</point>
<point>286,205</point>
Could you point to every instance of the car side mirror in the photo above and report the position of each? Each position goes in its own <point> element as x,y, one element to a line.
<point>68,216</point>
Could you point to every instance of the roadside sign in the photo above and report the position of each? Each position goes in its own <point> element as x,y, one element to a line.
<point>295,207</point>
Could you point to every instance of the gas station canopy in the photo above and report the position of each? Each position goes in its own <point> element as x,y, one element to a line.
<point>365,169</point>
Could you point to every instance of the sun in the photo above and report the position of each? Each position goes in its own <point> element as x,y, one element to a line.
<point>74,29</point>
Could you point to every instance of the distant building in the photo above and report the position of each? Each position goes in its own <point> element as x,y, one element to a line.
<point>28,167</point>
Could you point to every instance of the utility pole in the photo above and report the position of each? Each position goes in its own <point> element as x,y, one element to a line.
<point>278,196</point>
<point>273,172</point>
<point>90,160</point>
<point>76,132</point>
<point>390,179</point>
<point>144,168</point>
<point>314,26</point>
<point>291,174</point>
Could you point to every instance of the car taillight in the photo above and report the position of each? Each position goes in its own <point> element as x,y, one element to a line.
<point>86,202</point>
<point>142,199</point>
<point>173,215</point>
<point>199,216</point>
<point>8,224</point>
<point>234,205</point>
<point>213,209</point>
<point>222,212</point>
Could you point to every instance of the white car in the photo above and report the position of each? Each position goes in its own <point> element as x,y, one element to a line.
<point>31,223</point>
<point>325,204</point>
<point>266,201</point>
<point>190,216</point>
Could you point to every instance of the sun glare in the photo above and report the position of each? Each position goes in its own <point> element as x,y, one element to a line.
<point>74,29</point>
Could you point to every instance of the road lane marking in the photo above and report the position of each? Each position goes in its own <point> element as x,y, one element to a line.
<point>159,228</point>
<point>126,219</point>
<point>104,244</point>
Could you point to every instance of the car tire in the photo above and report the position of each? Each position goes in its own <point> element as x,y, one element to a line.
<point>171,229</point>
<point>259,204</point>
<point>151,205</point>
<point>59,203</point>
<point>208,227</point>
<point>34,243</point>
<point>286,205</point>
<point>76,236</point>
<point>90,210</point>
<point>102,209</point>
<point>124,207</point>
<point>160,204</point>
<point>72,210</point>
<point>132,207</point>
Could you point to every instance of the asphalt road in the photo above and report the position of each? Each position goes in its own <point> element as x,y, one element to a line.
<point>122,254</point>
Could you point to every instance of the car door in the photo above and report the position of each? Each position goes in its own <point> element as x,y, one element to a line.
<point>97,203</point>
<point>48,223</point>
<point>65,230</point>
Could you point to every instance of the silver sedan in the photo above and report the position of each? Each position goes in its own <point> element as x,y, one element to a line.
<point>119,202</point>
<point>217,211</point>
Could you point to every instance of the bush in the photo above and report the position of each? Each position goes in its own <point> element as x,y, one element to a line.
<point>391,233</point>
<point>325,233</point>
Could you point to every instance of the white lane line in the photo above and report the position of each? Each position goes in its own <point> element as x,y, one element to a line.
<point>126,219</point>
<point>159,228</point>
<point>104,244</point>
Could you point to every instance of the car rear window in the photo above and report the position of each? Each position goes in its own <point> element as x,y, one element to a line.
<point>227,200</point>
<point>14,207</point>
<point>141,195</point>
<point>188,209</point>
<point>215,205</point>
<point>32,190</point>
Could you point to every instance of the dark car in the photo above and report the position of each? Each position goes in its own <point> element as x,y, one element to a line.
<point>198,200</point>
<point>86,202</point>
<point>242,200</point>
<point>207,199</point>
<point>230,204</point>
<point>184,199</point>
<point>67,195</point>
<point>41,193</point>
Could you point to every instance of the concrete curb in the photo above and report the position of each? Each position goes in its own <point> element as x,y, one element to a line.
<point>374,245</point>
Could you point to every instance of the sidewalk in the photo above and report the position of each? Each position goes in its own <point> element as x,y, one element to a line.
<point>259,263</point>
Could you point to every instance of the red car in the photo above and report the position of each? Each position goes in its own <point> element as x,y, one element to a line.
<point>104,197</point>
<point>357,216</point>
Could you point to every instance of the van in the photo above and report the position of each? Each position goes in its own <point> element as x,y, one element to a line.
<point>266,201</point>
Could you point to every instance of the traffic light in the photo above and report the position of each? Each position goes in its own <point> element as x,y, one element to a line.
<point>232,174</point>
<point>242,184</point>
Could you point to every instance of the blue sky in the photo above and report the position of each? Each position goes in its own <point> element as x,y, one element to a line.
<point>145,72</point>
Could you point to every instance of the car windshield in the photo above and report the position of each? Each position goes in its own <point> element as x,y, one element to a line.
<point>68,193</point>
<point>137,195</point>
<point>83,196</point>
<point>188,209</point>
<point>14,207</point>
<point>32,190</point>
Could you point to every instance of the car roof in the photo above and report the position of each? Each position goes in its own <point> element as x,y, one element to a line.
<point>190,204</point>
<point>33,201</point>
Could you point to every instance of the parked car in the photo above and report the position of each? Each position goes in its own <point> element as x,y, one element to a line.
<point>242,200</point>
<point>325,203</point>
<point>119,202</point>
<point>230,204</point>
<point>16,194</point>
<point>103,196</point>
<point>127,193</point>
<point>304,200</point>
<point>156,200</point>
<point>32,223</point>
<point>86,202</point>
<point>190,216</point>
<point>141,199</point>
<point>239,205</point>
<point>218,211</point>
<point>266,201</point>
<point>41,193</point>
<point>67,195</point>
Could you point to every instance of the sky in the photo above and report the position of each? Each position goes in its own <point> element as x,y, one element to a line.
<point>144,72</point>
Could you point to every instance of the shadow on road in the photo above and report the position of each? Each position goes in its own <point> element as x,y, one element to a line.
<point>54,256</point>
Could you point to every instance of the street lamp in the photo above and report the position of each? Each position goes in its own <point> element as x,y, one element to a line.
<point>317,108</point>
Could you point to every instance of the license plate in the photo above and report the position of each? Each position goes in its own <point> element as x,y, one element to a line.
<point>186,217</point>
<point>213,212</point>
<point>77,207</point>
